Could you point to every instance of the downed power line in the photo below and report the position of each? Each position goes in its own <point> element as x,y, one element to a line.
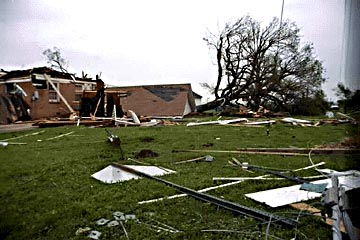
<point>234,207</point>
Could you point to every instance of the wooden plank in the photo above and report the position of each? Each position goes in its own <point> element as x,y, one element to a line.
<point>59,93</point>
<point>243,152</point>
<point>302,150</point>
<point>316,212</point>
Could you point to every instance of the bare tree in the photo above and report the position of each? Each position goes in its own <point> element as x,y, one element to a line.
<point>55,59</point>
<point>263,66</point>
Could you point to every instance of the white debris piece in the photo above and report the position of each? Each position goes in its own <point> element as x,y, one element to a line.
<point>221,122</point>
<point>113,223</point>
<point>112,174</point>
<point>94,235</point>
<point>295,121</point>
<point>102,221</point>
<point>287,195</point>
<point>261,122</point>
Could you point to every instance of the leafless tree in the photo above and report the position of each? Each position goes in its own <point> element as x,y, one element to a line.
<point>55,59</point>
<point>263,66</point>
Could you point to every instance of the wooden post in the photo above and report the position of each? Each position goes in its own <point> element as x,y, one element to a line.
<point>59,93</point>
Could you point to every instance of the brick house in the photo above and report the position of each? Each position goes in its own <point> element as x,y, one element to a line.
<point>166,100</point>
<point>41,98</point>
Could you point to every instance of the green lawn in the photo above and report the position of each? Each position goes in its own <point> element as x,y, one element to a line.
<point>46,191</point>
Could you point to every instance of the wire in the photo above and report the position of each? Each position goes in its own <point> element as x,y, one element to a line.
<point>242,232</point>
<point>268,228</point>
<point>312,163</point>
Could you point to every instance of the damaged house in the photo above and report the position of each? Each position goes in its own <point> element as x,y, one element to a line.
<point>43,92</point>
<point>40,93</point>
<point>169,100</point>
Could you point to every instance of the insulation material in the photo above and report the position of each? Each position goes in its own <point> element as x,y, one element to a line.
<point>287,195</point>
<point>112,174</point>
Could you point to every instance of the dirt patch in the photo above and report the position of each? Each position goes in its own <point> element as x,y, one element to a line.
<point>147,139</point>
<point>146,153</point>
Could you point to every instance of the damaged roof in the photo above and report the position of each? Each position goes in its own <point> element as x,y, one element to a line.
<point>159,100</point>
<point>40,70</point>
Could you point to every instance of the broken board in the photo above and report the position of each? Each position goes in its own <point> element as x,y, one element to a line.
<point>113,174</point>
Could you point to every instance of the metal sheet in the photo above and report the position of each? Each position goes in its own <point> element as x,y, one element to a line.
<point>287,195</point>
<point>112,174</point>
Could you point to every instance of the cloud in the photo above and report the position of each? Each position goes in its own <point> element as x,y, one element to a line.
<point>144,42</point>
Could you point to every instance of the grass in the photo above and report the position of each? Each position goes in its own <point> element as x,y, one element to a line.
<point>46,191</point>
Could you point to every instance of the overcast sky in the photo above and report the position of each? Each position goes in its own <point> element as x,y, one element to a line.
<point>153,41</point>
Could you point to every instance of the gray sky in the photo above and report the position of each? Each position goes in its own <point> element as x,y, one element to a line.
<point>153,41</point>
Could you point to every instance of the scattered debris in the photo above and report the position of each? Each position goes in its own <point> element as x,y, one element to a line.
<point>123,227</point>
<point>95,235</point>
<point>113,139</point>
<point>60,136</point>
<point>82,231</point>
<point>267,175</point>
<point>317,212</point>
<point>26,135</point>
<point>234,207</point>
<point>329,114</point>
<point>184,195</point>
<point>311,187</point>
<point>304,151</point>
<point>296,121</point>
<point>345,116</point>
<point>118,214</point>
<point>206,158</point>
<point>286,195</point>
<point>58,123</point>
<point>120,218</point>
<point>335,203</point>
<point>268,122</point>
<point>331,172</point>
<point>242,152</point>
<point>4,144</point>
<point>130,217</point>
<point>334,121</point>
<point>113,223</point>
<point>112,174</point>
<point>159,226</point>
<point>134,117</point>
<point>58,93</point>
<point>245,165</point>
<point>102,221</point>
<point>257,178</point>
<point>221,122</point>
